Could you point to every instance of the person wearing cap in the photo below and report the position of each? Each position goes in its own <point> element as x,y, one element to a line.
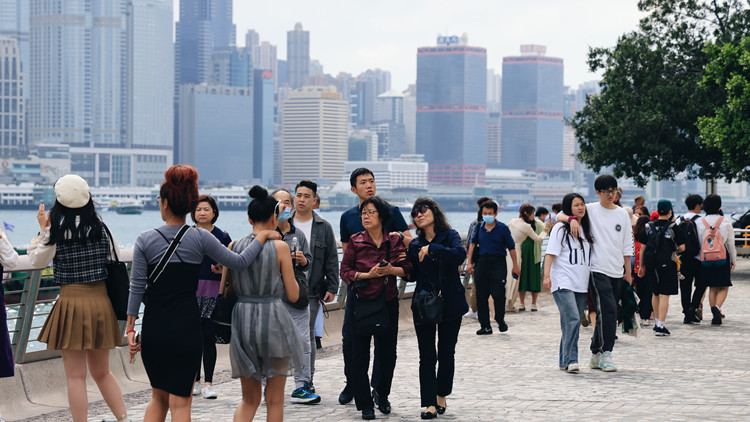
<point>82,323</point>
<point>662,278</point>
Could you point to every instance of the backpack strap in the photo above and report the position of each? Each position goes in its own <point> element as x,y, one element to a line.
<point>112,243</point>
<point>162,264</point>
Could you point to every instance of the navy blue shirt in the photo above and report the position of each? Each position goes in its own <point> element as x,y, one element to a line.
<point>206,273</point>
<point>495,241</point>
<point>351,223</point>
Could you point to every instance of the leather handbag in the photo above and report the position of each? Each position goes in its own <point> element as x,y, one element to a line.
<point>303,300</point>
<point>371,316</point>
<point>427,305</point>
<point>118,282</point>
<point>222,313</point>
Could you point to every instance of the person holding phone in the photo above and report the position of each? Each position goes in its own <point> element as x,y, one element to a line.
<point>370,267</point>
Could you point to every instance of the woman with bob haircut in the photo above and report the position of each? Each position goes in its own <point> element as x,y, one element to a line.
<point>435,255</point>
<point>172,343</point>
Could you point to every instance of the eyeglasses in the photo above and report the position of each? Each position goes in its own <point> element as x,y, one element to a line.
<point>368,213</point>
<point>608,192</point>
<point>158,198</point>
<point>421,210</point>
<point>276,209</point>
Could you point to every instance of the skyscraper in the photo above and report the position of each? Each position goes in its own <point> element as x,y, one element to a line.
<point>298,55</point>
<point>203,26</point>
<point>494,140</point>
<point>263,124</point>
<point>452,111</point>
<point>232,66</point>
<point>314,135</point>
<point>14,23</point>
<point>532,107</point>
<point>12,104</point>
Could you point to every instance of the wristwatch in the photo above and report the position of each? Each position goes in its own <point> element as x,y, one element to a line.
<point>401,235</point>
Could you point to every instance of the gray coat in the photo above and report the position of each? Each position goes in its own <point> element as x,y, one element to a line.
<point>324,273</point>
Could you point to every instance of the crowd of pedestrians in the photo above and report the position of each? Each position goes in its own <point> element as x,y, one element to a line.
<point>598,254</point>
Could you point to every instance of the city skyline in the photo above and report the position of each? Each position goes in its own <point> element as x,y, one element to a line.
<point>386,36</point>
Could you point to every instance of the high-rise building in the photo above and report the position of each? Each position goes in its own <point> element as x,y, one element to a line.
<point>494,140</point>
<point>263,125</point>
<point>14,23</point>
<point>298,55</point>
<point>585,89</point>
<point>252,40</point>
<point>452,111</point>
<point>76,72</point>
<point>314,133</point>
<point>532,107</point>
<point>12,101</point>
<point>494,91</point>
<point>203,26</point>
<point>569,149</point>
<point>216,132</point>
<point>232,66</point>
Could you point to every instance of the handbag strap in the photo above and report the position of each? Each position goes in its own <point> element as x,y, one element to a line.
<point>162,264</point>
<point>112,243</point>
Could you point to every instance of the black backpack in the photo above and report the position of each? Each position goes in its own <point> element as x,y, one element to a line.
<point>660,246</point>
<point>692,243</point>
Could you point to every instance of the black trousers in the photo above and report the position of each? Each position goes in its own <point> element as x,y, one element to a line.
<point>692,269</point>
<point>209,349</point>
<point>489,279</point>
<point>430,385</point>
<point>385,352</point>
<point>643,289</point>
<point>606,292</point>
<point>347,334</point>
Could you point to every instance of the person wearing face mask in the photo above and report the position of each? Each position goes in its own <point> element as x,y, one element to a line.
<point>209,281</point>
<point>301,258</point>
<point>495,242</point>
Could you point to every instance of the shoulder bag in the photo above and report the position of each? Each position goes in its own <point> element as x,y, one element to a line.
<point>117,281</point>
<point>222,313</point>
<point>427,305</point>
<point>304,289</point>
<point>371,315</point>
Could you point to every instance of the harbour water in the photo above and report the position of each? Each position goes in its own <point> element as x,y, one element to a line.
<point>126,228</point>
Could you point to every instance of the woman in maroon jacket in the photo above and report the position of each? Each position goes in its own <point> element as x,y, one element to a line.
<point>370,266</point>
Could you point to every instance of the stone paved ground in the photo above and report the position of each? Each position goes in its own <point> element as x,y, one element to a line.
<point>701,372</point>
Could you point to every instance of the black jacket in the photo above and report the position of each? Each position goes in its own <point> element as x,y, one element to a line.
<point>324,273</point>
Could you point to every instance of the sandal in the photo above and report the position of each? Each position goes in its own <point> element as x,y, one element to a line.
<point>521,308</point>
<point>533,307</point>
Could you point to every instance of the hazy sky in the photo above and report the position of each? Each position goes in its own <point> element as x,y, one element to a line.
<point>354,35</point>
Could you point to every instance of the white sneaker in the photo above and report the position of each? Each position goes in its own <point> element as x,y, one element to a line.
<point>208,392</point>
<point>470,314</point>
<point>197,388</point>
<point>573,367</point>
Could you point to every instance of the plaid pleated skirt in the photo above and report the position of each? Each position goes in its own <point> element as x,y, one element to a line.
<point>81,319</point>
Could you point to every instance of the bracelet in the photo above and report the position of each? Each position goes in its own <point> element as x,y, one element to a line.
<point>571,218</point>
<point>129,331</point>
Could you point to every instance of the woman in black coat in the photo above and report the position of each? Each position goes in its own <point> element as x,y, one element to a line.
<point>436,253</point>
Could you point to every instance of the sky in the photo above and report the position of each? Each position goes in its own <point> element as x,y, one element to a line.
<point>355,35</point>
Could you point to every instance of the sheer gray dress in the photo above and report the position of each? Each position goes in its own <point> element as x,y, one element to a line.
<point>264,342</point>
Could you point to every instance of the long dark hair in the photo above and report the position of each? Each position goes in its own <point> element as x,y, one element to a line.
<point>640,224</point>
<point>441,222</point>
<point>63,228</point>
<point>567,209</point>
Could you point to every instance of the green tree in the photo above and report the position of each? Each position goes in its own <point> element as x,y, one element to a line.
<point>728,129</point>
<point>644,122</point>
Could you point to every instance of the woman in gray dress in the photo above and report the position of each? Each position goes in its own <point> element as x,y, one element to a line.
<point>265,343</point>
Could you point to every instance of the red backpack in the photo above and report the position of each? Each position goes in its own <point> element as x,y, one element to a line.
<point>713,251</point>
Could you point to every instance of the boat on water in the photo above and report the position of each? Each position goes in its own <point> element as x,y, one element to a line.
<point>127,206</point>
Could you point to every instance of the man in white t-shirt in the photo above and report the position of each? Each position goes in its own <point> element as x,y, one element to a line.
<point>610,264</point>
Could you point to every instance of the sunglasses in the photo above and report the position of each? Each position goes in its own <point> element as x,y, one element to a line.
<point>421,210</point>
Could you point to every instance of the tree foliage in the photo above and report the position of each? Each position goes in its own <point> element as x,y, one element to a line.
<point>644,122</point>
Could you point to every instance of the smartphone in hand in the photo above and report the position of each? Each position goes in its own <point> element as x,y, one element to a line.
<point>383,264</point>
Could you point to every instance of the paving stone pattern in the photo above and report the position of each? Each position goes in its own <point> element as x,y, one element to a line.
<point>701,372</point>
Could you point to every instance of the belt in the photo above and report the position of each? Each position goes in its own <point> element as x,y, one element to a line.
<point>258,299</point>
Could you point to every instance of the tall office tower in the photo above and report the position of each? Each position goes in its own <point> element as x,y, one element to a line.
<point>390,107</point>
<point>532,107</point>
<point>314,135</point>
<point>216,132</point>
<point>77,72</point>
<point>494,91</point>
<point>362,102</point>
<point>263,54</point>
<point>452,111</point>
<point>150,81</point>
<point>381,78</point>
<point>203,26</point>
<point>14,23</point>
<point>585,89</point>
<point>282,67</point>
<point>410,122</point>
<point>569,149</point>
<point>12,102</point>
<point>569,102</point>
<point>252,39</point>
<point>232,66</point>
<point>298,55</point>
<point>494,140</point>
<point>263,108</point>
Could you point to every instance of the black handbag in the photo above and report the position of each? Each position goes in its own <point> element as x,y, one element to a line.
<point>222,313</point>
<point>303,300</point>
<point>118,282</point>
<point>371,316</point>
<point>427,305</point>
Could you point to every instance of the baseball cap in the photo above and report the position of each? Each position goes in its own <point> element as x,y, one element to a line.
<point>664,206</point>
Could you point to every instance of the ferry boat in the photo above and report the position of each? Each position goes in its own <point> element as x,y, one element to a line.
<point>128,206</point>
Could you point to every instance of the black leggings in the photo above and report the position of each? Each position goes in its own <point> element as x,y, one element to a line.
<point>209,350</point>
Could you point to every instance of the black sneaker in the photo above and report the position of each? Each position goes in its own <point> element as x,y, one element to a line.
<point>665,331</point>
<point>381,403</point>
<point>368,414</point>
<point>717,315</point>
<point>502,326</point>
<point>690,317</point>
<point>483,331</point>
<point>346,395</point>
<point>661,332</point>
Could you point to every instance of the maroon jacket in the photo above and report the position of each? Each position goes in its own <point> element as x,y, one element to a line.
<point>361,255</point>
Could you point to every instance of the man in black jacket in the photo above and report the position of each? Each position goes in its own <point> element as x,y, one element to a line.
<point>323,274</point>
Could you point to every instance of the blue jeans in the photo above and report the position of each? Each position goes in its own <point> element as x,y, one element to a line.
<point>571,305</point>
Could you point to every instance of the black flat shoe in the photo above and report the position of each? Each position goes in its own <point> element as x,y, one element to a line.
<point>346,396</point>
<point>440,409</point>
<point>368,414</point>
<point>428,415</point>
<point>381,403</point>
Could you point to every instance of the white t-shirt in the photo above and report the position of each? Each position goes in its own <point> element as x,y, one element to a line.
<point>613,239</point>
<point>572,265</point>
<point>306,228</point>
